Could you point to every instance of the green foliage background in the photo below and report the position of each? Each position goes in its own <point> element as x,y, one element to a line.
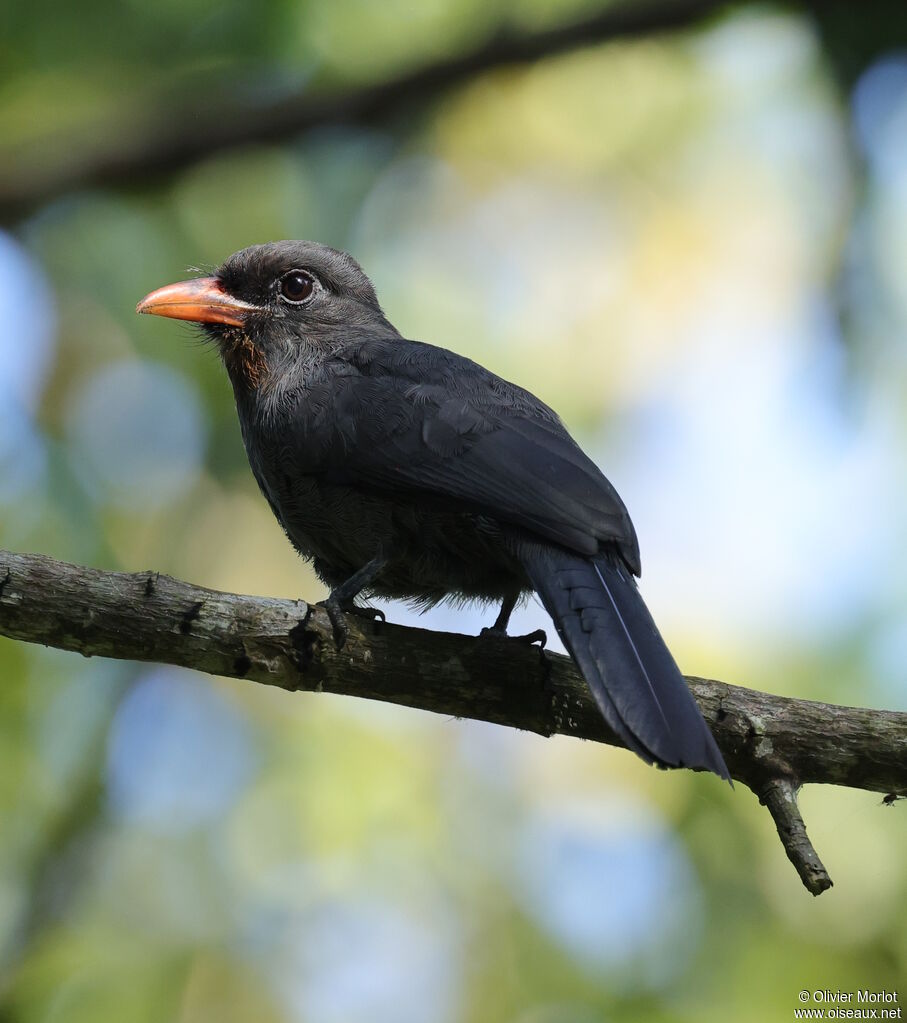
<point>692,246</point>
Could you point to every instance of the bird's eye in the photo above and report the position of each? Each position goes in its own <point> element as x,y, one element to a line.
<point>297,286</point>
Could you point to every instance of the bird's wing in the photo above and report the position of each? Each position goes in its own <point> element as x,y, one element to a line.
<point>471,437</point>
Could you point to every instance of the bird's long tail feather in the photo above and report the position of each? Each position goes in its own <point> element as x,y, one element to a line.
<point>604,623</point>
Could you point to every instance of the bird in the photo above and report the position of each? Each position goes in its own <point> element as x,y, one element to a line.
<point>402,470</point>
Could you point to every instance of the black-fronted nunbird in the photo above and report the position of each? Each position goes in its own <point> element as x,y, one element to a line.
<point>406,471</point>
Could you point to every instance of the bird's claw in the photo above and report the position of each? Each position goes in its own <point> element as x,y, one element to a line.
<point>337,619</point>
<point>374,614</point>
<point>530,639</point>
<point>337,614</point>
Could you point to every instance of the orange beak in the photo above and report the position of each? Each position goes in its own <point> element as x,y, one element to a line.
<point>202,301</point>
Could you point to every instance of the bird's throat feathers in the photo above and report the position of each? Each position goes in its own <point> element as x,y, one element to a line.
<point>244,359</point>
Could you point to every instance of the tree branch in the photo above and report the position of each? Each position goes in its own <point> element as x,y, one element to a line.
<point>196,128</point>
<point>772,744</point>
<point>780,796</point>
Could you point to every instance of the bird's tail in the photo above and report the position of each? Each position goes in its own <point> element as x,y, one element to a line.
<point>604,623</point>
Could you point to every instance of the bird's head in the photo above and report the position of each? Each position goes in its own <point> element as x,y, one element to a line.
<point>265,302</point>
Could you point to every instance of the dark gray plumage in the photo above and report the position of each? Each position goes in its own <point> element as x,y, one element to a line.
<point>407,471</point>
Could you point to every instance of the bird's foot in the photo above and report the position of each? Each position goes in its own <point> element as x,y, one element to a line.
<point>530,639</point>
<point>337,614</point>
<point>373,614</point>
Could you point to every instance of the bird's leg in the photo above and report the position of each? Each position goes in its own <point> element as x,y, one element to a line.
<point>500,623</point>
<point>499,629</point>
<point>340,601</point>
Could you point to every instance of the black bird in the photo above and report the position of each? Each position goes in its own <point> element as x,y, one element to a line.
<point>406,471</point>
